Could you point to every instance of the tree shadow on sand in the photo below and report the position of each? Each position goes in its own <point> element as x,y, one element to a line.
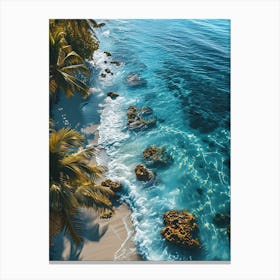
<point>64,249</point>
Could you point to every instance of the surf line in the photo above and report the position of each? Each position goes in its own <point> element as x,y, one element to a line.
<point>129,235</point>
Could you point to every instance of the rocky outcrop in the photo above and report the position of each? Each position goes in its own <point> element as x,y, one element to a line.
<point>107,214</point>
<point>114,186</point>
<point>135,120</point>
<point>156,156</point>
<point>134,79</point>
<point>112,94</point>
<point>143,174</point>
<point>103,75</point>
<point>181,229</point>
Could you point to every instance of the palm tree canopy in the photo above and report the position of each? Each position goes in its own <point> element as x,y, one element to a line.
<point>72,182</point>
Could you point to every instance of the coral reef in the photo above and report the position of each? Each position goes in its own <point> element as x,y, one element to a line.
<point>143,174</point>
<point>181,229</point>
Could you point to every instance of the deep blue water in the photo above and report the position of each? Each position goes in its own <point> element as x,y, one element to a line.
<point>185,69</point>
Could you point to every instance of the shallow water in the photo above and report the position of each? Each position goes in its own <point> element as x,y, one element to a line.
<point>184,66</point>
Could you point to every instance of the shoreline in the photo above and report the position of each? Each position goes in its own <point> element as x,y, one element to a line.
<point>116,242</point>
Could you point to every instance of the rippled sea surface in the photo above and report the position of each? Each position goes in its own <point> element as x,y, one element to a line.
<point>184,67</point>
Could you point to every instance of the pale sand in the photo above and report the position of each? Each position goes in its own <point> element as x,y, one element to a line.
<point>108,239</point>
<point>111,239</point>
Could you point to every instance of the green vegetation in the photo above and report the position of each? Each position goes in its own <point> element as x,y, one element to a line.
<point>72,182</point>
<point>72,176</point>
<point>71,43</point>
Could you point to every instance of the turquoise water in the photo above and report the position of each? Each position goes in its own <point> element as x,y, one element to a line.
<point>184,67</point>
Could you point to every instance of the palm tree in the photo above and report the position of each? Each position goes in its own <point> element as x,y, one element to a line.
<point>65,64</point>
<point>72,182</point>
<point>80,35</point>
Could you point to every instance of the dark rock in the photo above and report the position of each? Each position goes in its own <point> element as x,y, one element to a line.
<point>107,70</point>
<point>108,53</point>
<point>98,25</point>
<point>103,75</point>
<point>181,229</point>
<point>199,191</point>
<point>221,220</point>
<point>114,186</point>
<point>107,214</point>
<point>105,62</point>
<point>112,94</point>
<point>143,174</point>
<point>117,63</point>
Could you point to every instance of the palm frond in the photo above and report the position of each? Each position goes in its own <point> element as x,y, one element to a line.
<point>75,68</point>
<point>76,84</point>
<point>64,140</point>
<point>91,195</point>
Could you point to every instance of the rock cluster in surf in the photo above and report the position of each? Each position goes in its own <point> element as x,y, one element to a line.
<point>114,186</point>
<point>135,118</point>
<point>156,156</point>
<point>143,174</point>
<point>181,229</point>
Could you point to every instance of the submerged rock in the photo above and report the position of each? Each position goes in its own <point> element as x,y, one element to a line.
<point>221,220</point>
<point>114,186</point>
<point>112,94</point>
<point>181,229</point>
<point>143,174</point>
<point>140,124</point>
<point>146,111</point>
<point>154,155</point>
<point>134,79</point>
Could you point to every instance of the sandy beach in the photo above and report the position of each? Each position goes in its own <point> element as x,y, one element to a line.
<point>104,239</point>
<point>109,239</point>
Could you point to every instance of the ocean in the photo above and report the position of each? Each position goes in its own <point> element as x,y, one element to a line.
<point>183,74</point>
